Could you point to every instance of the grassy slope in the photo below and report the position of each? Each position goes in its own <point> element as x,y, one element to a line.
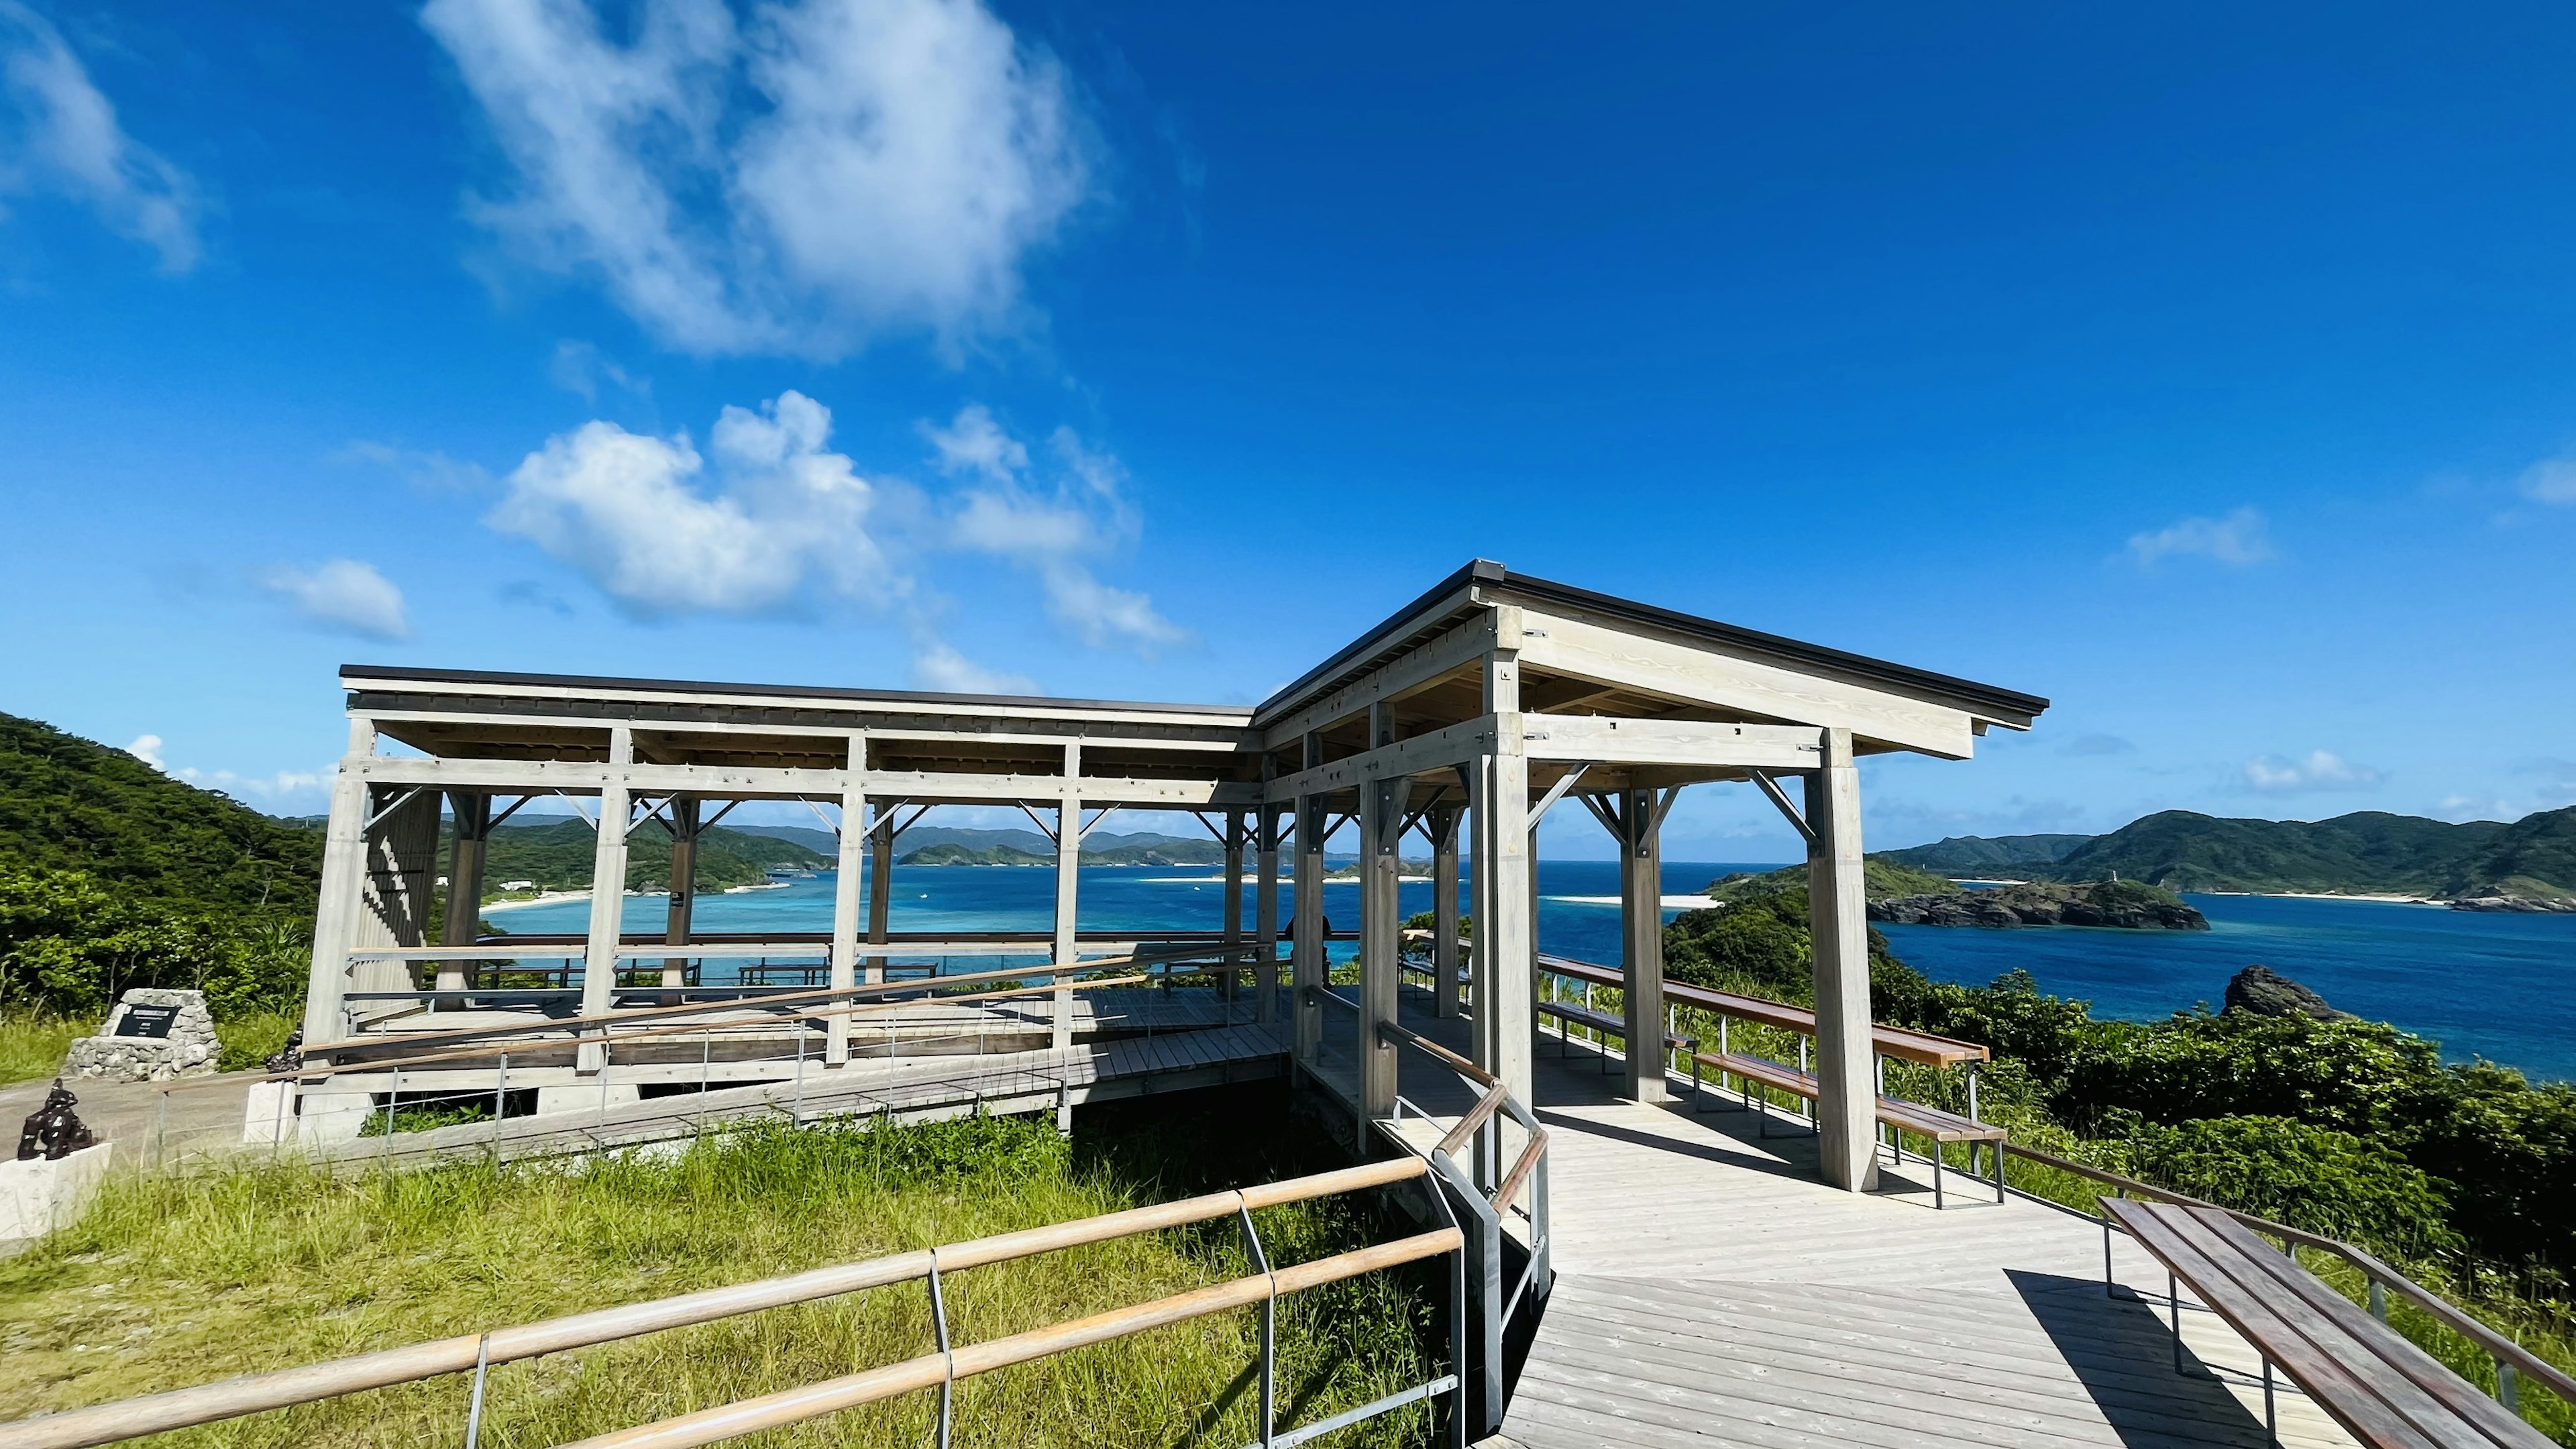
<point>67,803</point>
<point>169,1283</point>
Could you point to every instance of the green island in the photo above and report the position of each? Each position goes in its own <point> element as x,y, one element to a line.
<point>2526,865</point>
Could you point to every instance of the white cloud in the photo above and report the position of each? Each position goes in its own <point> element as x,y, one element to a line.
<point>2551,481</point>
<point>59,134</point>
<point>283,783</point>
<point>776,519</point>
<point>2242,537</point>
<point>343,595</point>
<point>939,667</point>
<point>580,367</point>
<point>2321,772</point>
<point>820,172</point>
<point>1051,530</point>
<point>147,748</point>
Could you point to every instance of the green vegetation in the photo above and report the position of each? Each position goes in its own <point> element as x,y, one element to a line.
<point>2367,852</point>
<point>69,804</point>
<point>174,1281</point>
<point>1881,879</point>
<point>955,854</point>
<point>558,856</point>
<point>32,1044</point>
<point>2464,1175</point>
<point>70,945</point>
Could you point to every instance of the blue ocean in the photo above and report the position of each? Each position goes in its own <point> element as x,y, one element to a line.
<point>2501,987</point>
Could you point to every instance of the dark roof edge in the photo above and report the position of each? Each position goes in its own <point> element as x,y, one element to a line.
<point>1903,678</point>
<point>1483,570</point>
<point>410,674</point>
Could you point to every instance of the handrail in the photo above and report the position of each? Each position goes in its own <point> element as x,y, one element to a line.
<point>1456,1063</point>
<point>1904,1043</point>
<point>2497,1346</point>
<point>306,1074</point>
<point>791,1406</point>
<point>256,1393</point>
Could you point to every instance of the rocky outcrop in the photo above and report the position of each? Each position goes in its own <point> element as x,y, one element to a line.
<point>2523,895</point>
<point>2262,991</point>
<point>2122,904</point>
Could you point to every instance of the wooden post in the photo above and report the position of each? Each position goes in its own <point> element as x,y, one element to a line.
<point>1444,910</point>
<point>1838,923</point>
<point>1506,927</point>
<point>1068,886</point>
<point>607,896</point>
<point>1231,983</point>
<point>852,861</point>
<point>1641,912</point>
<point>1306,974</point>
<point>1381,810</point>
<point>471,812</point>
<point>684,887</point>
<point>1265,915</point>
<point>880,889</point>
<point>344,884</point>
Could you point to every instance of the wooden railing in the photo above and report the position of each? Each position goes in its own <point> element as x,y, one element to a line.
<point>477,1353</point>
<point>2512,1360</point>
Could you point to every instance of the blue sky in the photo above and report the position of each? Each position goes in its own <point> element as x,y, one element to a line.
<point>2211,372</point>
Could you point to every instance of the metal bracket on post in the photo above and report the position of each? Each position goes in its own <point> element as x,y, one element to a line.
<point>939,1328</point>
<point>1269,1324</point>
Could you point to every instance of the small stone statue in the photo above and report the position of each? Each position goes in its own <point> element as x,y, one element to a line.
<point>52,1131</point>
<point>290,1058</point>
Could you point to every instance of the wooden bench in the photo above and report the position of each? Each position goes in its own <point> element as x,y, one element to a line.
<point>1605,1024</point>
<point>1941,1127</point>
<point>2387,1392</point>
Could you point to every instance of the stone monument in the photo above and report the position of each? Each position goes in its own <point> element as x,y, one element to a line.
<point>153,1035</point>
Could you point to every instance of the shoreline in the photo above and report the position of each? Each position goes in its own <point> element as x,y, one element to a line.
<point>552,898</point>
<point>2381,898</point>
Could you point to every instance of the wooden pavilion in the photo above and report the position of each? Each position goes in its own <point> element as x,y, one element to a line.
<point>1465,716</point>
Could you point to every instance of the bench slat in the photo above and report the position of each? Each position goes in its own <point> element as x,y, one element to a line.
<point>2490,1419</point>
<point>2278,1326</point>
<point>1603,1021</point>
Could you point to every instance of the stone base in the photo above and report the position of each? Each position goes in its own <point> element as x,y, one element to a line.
<point>189,1050</point>
<point>269,1117</point>
<point>37,1196</point>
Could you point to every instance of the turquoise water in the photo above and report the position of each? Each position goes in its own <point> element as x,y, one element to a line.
<point>2498,986</point>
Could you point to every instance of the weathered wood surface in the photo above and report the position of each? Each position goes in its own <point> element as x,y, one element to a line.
<point>1712,1291</point>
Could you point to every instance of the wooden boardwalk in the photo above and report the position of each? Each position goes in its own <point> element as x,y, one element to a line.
<point>1712,1291</point>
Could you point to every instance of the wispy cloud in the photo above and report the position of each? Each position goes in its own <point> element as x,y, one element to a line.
<point>2552,480</point>
<point>2241,537</point>
<point>343,595</point>
<point>2100,745</point>
<point>147,748</point>
<point>2322,772</point>
<point>817,173</point>
<point>1051,525</point>
<point>938,666</point>
<point>431,471</point>
<point>580,367</point>
<point>59,134</point>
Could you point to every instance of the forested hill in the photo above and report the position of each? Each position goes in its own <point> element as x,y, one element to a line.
<point>67,803</point>
<point>2369,851</point>
<point>1966,855</point>
<point>558,855</point>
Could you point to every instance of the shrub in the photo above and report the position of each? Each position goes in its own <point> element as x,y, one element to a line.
<point>71,946</point>
<point>2307,1176</point>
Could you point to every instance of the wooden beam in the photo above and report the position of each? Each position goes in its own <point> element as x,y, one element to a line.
<point>1439,749</point>
<point>1457,649</point>
<point>1698,673</point>
<point>1609,740</point>
<point>727,781</point>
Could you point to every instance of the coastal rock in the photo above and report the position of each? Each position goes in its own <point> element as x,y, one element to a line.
<point>2122,904</point>
<point>2262,991</point>
<point>2508,898</point>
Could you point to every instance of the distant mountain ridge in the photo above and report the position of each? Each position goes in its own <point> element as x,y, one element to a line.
<point>2369,852</point>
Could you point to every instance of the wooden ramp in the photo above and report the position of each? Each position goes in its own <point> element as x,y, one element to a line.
<point>1712,1291</point>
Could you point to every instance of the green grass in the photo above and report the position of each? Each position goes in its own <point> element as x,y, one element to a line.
<point>32,1044</point>
<point>168,1282</point>
<point>250,1039</point>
